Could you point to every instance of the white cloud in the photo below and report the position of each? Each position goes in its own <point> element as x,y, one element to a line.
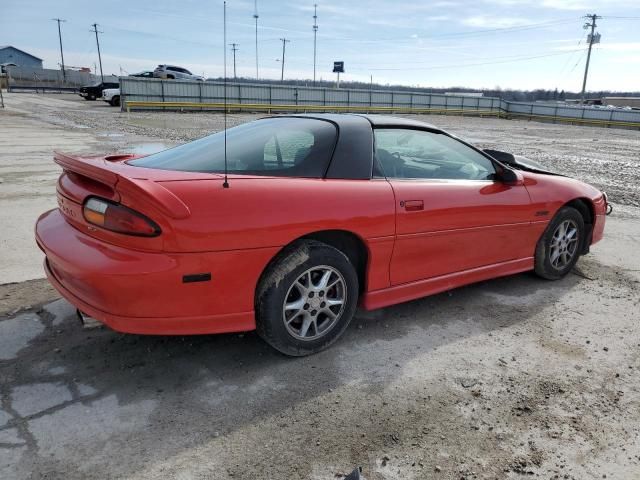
<point>485,21</point>
<point>586,5</point>
<point>577,5</point>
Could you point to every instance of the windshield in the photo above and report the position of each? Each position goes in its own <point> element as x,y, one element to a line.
<point>283,147</point>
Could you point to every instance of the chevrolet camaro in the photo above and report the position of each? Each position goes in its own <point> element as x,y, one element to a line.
<point>291,222</point>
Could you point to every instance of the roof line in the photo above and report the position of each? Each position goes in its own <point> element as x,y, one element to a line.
<point>2,47</point>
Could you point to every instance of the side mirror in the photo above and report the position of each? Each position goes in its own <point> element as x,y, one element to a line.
<point>509,177</point>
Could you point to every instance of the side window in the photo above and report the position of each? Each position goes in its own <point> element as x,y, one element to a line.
<point>287,149</point>
<point>281,147</point>
<point>404,153</point>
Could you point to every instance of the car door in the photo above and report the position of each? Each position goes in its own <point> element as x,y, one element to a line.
<point>452,213</point>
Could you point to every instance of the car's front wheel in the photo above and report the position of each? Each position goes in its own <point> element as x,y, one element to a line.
<point>559,247</point>
<point>115,102</point>
<point>306,298</point>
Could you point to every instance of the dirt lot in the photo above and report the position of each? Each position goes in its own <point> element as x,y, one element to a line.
<point>512,378</point>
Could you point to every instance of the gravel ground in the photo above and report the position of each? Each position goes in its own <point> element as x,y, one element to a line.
<point>607,158</point>
<point>509,379</point>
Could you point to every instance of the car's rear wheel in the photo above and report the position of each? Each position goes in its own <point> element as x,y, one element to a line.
<point>306,298</point>
<point>559,247</point>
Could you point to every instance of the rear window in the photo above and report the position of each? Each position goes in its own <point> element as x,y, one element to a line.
<point>281,147</point>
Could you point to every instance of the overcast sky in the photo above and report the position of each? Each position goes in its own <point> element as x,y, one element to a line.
<point>482,43</point>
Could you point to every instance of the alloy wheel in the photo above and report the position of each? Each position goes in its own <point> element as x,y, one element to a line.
<point>314,303</point>
<point>564,244</point>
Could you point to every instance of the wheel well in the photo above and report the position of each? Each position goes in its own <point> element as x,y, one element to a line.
<point>348,243</point>
<point>586,209</point>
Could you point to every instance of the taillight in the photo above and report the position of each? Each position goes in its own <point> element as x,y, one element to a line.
<point>118,218</point>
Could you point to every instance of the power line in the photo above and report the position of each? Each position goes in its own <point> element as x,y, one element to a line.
<point>459,65</point>
<point>481,59</point>
<point>59,20</point>
<point>95,30</point>
<point>592,39</point>
<point>518,28</point>
<point>574,67</point>
<point>569,59</point>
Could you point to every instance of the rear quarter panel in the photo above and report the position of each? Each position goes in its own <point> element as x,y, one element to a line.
<point>272,212</point>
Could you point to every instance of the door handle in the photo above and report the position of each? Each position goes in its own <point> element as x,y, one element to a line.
<point>412,205</point>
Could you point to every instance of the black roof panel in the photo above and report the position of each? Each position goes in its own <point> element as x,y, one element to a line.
<point>391,121</point>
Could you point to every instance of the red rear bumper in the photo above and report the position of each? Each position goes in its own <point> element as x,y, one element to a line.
<point>143,292</point>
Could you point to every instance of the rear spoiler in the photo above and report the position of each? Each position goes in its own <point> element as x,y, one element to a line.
<point>92,167</point>
<point>135,189</point>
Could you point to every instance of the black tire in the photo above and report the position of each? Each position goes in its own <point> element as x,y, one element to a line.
<point>91,97</point>
<point>115,101</point>
<point>545,249</point>
<point>170,77</point>
<point>281,281</point>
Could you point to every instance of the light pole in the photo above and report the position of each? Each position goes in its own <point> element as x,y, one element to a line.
<point>592,40</point>
<point>95,30</point>
<point>64,74</point>
<point>315,34</point>
<point>284,44</point>
<point>255,16</point>
<point>234,49</point>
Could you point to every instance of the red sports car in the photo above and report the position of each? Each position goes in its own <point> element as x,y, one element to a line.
<point>322,213</point>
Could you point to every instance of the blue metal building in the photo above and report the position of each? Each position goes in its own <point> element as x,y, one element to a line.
<point>9,54</point>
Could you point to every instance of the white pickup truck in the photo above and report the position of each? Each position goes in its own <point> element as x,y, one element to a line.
<point>111,96</point>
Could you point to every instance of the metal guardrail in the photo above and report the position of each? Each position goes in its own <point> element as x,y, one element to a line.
<point>580,121</point>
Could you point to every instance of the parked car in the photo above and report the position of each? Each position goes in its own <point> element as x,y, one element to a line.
<point>287,226</point>
<point>111,96</point>
<point>91,92</point>
<point>173,72</point>
<point>145,74</point>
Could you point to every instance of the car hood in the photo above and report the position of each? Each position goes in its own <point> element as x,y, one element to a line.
<point>519,162</point>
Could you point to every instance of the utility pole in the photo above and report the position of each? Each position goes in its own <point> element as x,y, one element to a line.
<point>95,30</point>
<point>591,22</point>
<point>284,43</point>
<point>234,48</point>
<point>315,34</point>
<point>255,15</point>
<point>64,74</point>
